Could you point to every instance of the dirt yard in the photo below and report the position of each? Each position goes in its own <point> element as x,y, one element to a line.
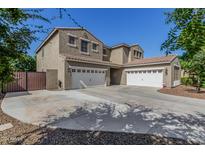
<point>186,91</point>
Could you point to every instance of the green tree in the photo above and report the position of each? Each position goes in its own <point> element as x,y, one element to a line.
<point>187,34</point>
<point>24,63</point>
<point>197,68</point>
<point>16,37</point>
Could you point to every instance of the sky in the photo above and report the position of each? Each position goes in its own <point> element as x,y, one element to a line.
<point>145,27</point>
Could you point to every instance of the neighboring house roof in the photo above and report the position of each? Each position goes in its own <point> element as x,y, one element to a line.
<point>125,45</point>
<point>62,28</point>
<point>120,45</point>
<point>89,60</point>
<point>151,61</point>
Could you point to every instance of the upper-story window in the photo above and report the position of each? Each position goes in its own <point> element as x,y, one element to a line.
<point>72,40</point>
<point>135,53</point>
<point>104,52</point>
<point>94,47</point>
<point>84,46</point>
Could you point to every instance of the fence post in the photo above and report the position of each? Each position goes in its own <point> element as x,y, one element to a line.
<point>26,81</point>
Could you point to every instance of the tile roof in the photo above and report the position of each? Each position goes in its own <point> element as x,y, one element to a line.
<point>155,60</point>
<point>137,62</point>
<point>89,60</point>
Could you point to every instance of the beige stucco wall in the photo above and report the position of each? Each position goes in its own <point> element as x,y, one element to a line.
<point>123,54</point>
<point>51,53</point>
<point>131,53</point>
<point>76,51</point>
<point>177,63</point>
<point>51,79</point>
<point>61,72</point>
<point>52,60</point>
<point>116,55</point>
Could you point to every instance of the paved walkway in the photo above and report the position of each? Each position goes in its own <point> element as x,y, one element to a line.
<point>115,108</point>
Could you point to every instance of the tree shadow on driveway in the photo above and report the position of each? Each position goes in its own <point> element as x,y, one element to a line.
<point>126,125</point>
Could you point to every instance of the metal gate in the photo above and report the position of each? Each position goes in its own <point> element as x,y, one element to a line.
<point>24,81</point>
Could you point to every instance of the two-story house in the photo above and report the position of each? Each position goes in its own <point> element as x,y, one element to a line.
<point>74,58</point>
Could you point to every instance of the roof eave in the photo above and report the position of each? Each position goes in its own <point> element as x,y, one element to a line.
<point>146,64</point>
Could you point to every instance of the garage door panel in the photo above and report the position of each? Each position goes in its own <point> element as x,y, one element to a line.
<point>151,78</point>
<point>89,77</point>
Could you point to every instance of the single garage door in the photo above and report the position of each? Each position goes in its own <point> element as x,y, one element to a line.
<point>83,77</point>
<point>150,78</point>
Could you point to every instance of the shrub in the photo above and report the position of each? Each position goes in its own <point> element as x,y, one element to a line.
<point>186,81</point>
<point>203,84</point>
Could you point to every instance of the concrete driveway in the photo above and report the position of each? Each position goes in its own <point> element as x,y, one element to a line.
<point>116,108</point>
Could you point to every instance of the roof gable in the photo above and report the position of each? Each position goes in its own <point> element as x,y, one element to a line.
<point>62,28</point>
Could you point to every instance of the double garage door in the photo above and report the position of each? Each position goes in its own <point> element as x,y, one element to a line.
<point>83,77</point>
<point>150,78</point>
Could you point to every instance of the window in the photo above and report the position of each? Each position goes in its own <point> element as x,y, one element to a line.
<point>135,53</point>
<point>84,46</point>
<point>92,71</point>
<point>96,71</point>
<point>88,71</point>
<point>83,71</point>
<point>94,46</point>
<point>78,70</point>
<point>104,52</point>
<point>73,70</point>
<point>71,40</point>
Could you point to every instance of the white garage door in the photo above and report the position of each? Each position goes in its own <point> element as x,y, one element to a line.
<point>150,78</point>
<point>83,77</point>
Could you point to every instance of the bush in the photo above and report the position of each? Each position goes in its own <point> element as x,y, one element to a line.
<point>186,81</point>
<point>203,84</point>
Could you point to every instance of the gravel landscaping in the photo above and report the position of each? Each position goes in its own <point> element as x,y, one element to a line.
<point>186,91</point>
<point>22,133</point>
